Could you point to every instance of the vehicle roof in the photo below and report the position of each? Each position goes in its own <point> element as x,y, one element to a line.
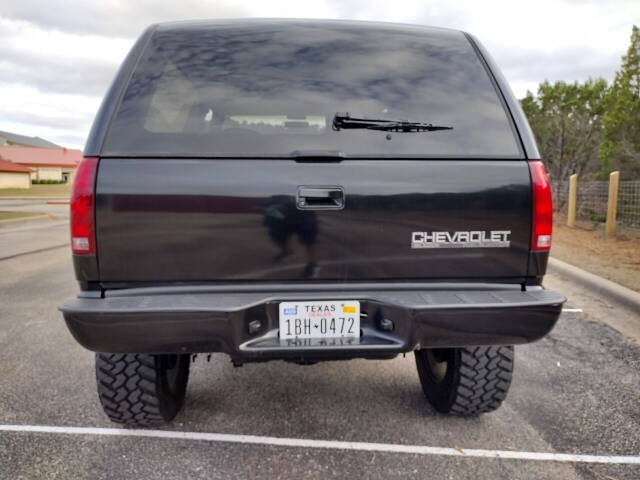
<point>186,25</point>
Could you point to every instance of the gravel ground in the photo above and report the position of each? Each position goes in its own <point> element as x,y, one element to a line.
<point>614,258</point>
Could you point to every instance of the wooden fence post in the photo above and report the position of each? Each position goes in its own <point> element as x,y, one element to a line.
<point>612,205</point>
<point>573,194</point>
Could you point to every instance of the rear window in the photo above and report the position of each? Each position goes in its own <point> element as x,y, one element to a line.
<point>265,90</point>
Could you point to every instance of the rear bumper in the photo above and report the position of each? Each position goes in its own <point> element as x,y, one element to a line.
<point>214,319</point>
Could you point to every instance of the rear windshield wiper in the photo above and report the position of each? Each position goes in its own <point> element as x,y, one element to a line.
<point>344,121</point>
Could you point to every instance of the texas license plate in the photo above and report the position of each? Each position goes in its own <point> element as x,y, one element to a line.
<point>322,319</point>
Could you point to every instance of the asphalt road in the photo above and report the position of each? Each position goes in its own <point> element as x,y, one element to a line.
<point>18,237</point>
<point>576,391</point>
<point>37,205</point>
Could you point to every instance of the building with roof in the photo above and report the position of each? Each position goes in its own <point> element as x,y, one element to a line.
<point>45,163</point>
<point>8,139</point>
<point>13,175</point>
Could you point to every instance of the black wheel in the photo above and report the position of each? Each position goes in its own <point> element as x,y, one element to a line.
<point>465,381</point>
<point>140,389</point>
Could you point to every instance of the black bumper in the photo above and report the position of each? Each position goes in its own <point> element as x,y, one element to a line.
<point>213,319</point>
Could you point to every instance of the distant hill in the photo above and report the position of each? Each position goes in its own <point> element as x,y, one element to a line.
<point>14,139</point>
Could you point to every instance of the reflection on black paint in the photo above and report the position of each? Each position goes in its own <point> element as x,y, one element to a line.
<point>284,221</point>
<point>193,77</point>
<point>210,219</point>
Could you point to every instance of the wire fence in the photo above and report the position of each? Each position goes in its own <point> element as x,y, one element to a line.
<point>592,198</point>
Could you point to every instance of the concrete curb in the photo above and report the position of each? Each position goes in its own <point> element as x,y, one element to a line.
<point>61,197</point>
<point>612,290</point>
<point>31,218</point>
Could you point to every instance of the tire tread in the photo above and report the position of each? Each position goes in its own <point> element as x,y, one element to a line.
<point>127,388</point>
<point>484,379</point>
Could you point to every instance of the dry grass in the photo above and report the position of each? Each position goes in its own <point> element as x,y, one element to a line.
<point>12,215</point>
<point>586,246</point>
<point>47,190</point>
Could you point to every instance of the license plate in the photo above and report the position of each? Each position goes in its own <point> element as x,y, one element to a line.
<point>322,319</point>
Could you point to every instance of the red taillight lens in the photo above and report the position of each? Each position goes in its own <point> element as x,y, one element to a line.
<point>542,208</point>
<point>83,238</point>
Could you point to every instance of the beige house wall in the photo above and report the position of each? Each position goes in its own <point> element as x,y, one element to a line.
<point>15,180</point>
<point>49,173</point>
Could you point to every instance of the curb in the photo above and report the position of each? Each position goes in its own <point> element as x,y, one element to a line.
<point>61,197</point>
<point>31,218</point>
<point>612,290</point>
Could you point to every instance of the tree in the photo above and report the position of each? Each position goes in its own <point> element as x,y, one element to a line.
<point>566,119</point>
<point>620,149</point>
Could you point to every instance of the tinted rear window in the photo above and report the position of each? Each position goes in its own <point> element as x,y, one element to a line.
<point>273,89</point>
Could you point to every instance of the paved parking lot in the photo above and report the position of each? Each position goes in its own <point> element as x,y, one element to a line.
<point>575,392</point>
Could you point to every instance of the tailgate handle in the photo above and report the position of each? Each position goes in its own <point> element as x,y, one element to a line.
<point>320,198</point>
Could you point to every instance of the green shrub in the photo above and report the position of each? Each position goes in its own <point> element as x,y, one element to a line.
<point>35,181</point>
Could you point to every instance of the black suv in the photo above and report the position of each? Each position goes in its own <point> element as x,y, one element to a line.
<point>307,191</point>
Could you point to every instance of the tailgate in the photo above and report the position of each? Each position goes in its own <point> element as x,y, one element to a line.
<point>201,220</point>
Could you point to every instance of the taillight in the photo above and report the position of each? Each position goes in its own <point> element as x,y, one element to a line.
<point>83,240</point>
<point>542,208</point>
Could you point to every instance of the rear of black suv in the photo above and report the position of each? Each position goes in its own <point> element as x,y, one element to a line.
<point>307,191</point>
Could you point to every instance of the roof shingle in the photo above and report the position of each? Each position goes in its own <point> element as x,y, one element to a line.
<point>7,166</point>
<point>53,157</point>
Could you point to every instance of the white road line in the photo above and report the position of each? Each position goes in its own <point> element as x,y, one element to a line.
<point>325,444</point>
<point>574,310</point>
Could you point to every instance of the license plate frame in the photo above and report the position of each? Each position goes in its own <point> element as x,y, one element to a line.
<point>319,319</point>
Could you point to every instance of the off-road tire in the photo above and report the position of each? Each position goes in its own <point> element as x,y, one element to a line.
<point>140,389</point>
<point>465,381</point>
